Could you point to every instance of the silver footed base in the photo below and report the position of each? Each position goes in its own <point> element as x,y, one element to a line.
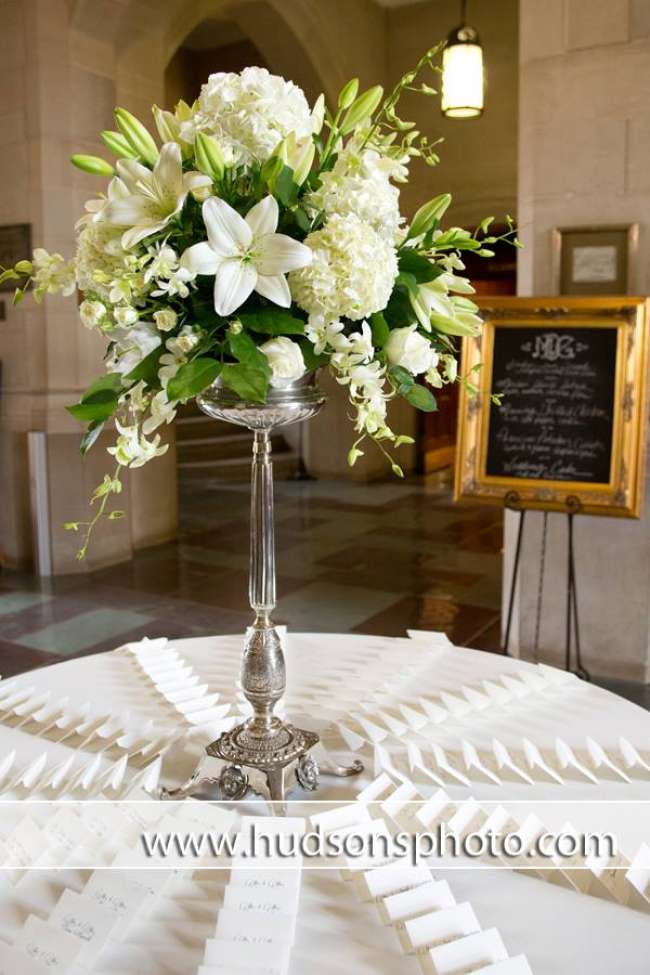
<point>264,763</point>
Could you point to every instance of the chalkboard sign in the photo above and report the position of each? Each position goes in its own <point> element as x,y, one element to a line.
<point>559,418</point>
<point>556,418</point>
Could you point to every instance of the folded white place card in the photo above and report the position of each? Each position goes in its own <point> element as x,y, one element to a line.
<point>474,764</point>
<point>631,756</point>
<point>601,760</point>
<point>438,809</point>
<point>254,927</point>
<point>535,761</point>
<point>438,927</point>
<point>401,805</point>
<point>511,966</point>
<point>252,878</point>
<point>281,901</point>
<point>378,789</point>
<point>24,844</point>
<point>349,814</point>
<point>85,919</point>
<point>504,761</point>
<point>468,817</point>
<point>13,961</point>
<point>468,954</point>
<point>118,892</point>
<point>262,959</point>
<point>432,896</point>
<point>568,759</point>
<point>445,765</point>
<point>389,879</point>
<point>48,945</point>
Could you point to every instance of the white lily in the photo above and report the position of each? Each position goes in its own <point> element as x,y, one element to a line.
<point>245,255</point>
<point>154,197</point>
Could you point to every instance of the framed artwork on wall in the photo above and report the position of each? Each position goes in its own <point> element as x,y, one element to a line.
<point>595,260</point>
<point>558,420</point>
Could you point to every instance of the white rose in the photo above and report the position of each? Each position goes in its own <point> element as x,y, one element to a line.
<point>408,349</point>
<point>285,359</point>
<point>91,313</point>
<point>125,315</point>
<point>165,319</point>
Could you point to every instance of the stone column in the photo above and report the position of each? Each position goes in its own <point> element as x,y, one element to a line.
<point>584,141</point>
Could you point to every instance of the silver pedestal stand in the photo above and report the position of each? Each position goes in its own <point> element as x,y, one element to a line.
<point>264,752</point>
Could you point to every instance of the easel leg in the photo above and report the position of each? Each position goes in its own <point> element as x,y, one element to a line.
<point>572,608</point>
<point>513,583</point>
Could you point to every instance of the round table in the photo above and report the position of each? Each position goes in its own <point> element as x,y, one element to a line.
<point>506,732</point>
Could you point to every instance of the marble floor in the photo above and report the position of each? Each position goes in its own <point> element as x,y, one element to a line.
<point>375,558</point>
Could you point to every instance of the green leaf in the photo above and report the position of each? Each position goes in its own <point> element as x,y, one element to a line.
<point>421,268</point>
<point>408,282</point>
<point>9,275</point>
<point>285,189</point>
<point>101,405</point>
<point>402,379</point>
<point>192,378</point>
<point>91,435</point>
<point>147,369</point>
<point>272,321</point>
<point>243,348</point>
<point>111,381</point>
<point>250,383</point>
<point>399,311</point>
<point>380,329</point>
<point>421,398</point>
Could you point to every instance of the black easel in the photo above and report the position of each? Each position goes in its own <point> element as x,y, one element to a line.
<point>573,505</point>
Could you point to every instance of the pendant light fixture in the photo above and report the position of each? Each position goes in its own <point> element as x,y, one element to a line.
<point>462,72</point>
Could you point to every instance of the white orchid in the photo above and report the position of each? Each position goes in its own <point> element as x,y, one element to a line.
<point>132,345</point>
<point>154,197</point>
<point>133,449</point>
<point>245,255</point>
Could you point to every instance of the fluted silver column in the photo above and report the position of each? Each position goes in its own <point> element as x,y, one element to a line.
<point>263,672</point>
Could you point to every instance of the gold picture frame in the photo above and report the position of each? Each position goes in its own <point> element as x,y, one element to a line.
<point>559,380</point>
<point>595,260</point>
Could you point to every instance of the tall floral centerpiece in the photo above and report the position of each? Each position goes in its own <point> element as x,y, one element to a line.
<point>259,240</point>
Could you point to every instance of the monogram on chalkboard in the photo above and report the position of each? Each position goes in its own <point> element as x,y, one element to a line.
<point>551,346</point>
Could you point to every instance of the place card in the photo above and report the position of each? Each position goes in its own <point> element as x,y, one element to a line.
<point>433,896</point>
<point>280,903</point>
<point>417,762</point>
<point>397,728</point>
<point>345,815</point>
<point>505,761</point>
<point>535,761</point>
<point>262,959</point>
<point>630,754</point>
<point>608,877</point>
<point>499,821</point>
<point>497,693</point>
<point>639,873</point>
<point>517,687</point>
<point>445,766</point>
<point>352,740</point>
<point>283,880</point>
<point>118,892</point>
<point>437,809</point>
<point>392,878</point>
<point>433,710</point>
<point>24,844</point>
<point>371,731</point>
<point>48,945</point>
<point>6,764</point>
<point>86,920</point>
<point>478,700</point>
<point>13,961</point>
<point>476,951</point>
<point>438,927</point>
<point>529,832</point>
<point>467,818</point>
<point>66,831</point>
<point>378,789</point>
<point>414,719</point>
<point>600,759</point>
<point>474,763</point>
<point>456,706</point>
<point>253,927</point>
<point>510,966</point>
<point>401,805</point>
<point>568,759</point>
<point>373,837</point>
<point>382,762</point>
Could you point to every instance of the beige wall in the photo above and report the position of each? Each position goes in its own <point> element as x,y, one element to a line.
<point>583,158</point>
<point>478,159</point>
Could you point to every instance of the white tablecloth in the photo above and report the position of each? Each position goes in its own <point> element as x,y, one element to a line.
<point>361,691</point>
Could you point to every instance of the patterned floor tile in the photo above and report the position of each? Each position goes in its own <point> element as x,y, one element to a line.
<point>84,631</point>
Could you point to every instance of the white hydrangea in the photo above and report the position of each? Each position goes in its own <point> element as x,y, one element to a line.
<point>250,112</point>
<point>359,183</point>
<point>351,274</point>
<point>101,261</point>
